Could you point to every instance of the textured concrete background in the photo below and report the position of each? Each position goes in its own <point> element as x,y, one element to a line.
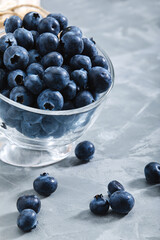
<point>126,134</point>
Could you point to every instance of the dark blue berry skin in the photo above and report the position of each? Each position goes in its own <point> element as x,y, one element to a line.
<point>12,23</point>
<point>50,100</point>
<point>5,92</point>
<point>56,78</point>
<point>36,69</point>
<point>7,41</point>
<point>67,68</point>
<point>121,202</point>
<point>1,62</point>
<point>99,61</point>
<point>35,36</point>
<point>83,98</point>
<point>45,185</point>
<point>3,79</point>
<point>71,44</point>
<point>80,77</point>
<point>34,56</point>
<point>52,59</point>
<point>89,48</point>
<point>99,205</point>
<point>27,220</point>
<point>114,186</point>
<point>69,92</point>
<point>49,24</point>
<point>43,40</point>
<point>68,105</point>
<point>85,150</point>
<point>32,117</point>
<point>29,202</point>
<point>75,30</point>
<point>15,57</point>
<point>21,95</point>
<point>63,21</point>
<point>30,130</point>
<point>31,20</point>
<point>99,79</point>
<point>80,61</point>
<point>33,83</point>
<point>152,172</point>
<point>16,78</point>
<point>49,124</point>
<point>24,38</point>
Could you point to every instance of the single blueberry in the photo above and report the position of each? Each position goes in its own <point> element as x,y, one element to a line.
<point>46,43</point>
<point>89,48</point>
<point>45,185</point>
<point>33,83</point>
<point>83,98</point>
<point>24,38</point>
<point>31,20</point>
<point>29,202</point>
<point>31,117</point>
<point>80,61</point>
<point>69,92</point>
<point>56,78</point>
<point>16,78</point>
<point>49,24</point>
<point>52,59</point>
<point>63,21</point>
<point>27,220</point>
<point>152,172</point>
<point>75,30</point>
<point>49,124</point>
<point>3,79</point>
<point>15,57</point>
<point>34,56</point>
<point>99,61</point>
<point>6,41</point>
<point>99,205</point>
<point>30,130</point>
<point>80,77</point>
<point>36,69</point>
<point>121,202</point>
<point>85,150</point>
<point>114,186</point>
<point>12,23</point>
<point>68,105</point>
<point>99,79</point>
<point>21,95</point>
<point>50,100</point>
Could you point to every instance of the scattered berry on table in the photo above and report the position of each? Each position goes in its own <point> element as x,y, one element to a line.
<point>152,172</point>
<point>27,220</point>
<point>29,202</point>
<point>85,150</point>
<point>99,205</point>
<point>114,186</point>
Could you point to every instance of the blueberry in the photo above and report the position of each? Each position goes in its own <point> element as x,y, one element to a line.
<point>75,30</point>
<point>5,92</point>
<point>99,61</point>
<point>33,83</point>
<point>114,186</point>
<point>52,59</point>
<point>80,61</point>
<point>1,61</point>
<point>80,77</point>
<point>99,205</point>
<point>67,68</point>
<point>27,220</point>
<point>30,130</point>
<point>21,95</point>
<point>71,44</point>
<point>14,113</point>
<point>69,92</point>
<point>83,98</point>
<point>3,77</point>
<point>89,48</point>
<point>34,56</point>
<point>12,23</point>
<point>61,131</point>
<point>31,117</point>
<point>35,36</point>
<point>16,78</point>
<point>95,95</point>
<point>47,42</point>
<point>56,78</point>
<point>36,69</point>
<point>63,21</point>
<point>99,79</point>
<point>50,100</point>
<point>45,185</point>
<point>85,150</point>
<point>29,202</point>
<point>24,38</point>
<point>68,105</point>
<point>49,24</point>
<point>121,202</point>
<point>152,172</point>
<point>31,20</point>
<point>15,57</point>
<point>6,41</point>
<point>49,124</point>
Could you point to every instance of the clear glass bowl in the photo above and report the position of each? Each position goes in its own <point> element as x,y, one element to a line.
<point>46,136</point>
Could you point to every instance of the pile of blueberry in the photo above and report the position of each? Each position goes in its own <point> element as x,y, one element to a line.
<point>30,205</point>
<point>120,201</point>
<point>46,64</point>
